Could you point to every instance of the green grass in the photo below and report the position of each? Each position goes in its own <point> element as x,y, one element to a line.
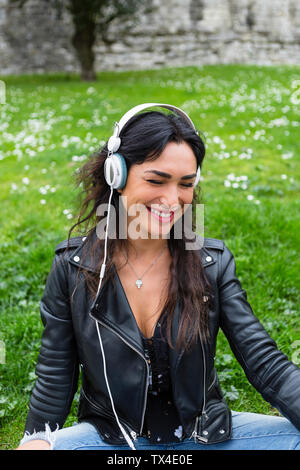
<point>250,122</point>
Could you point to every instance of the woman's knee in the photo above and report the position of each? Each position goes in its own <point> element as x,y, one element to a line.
<point>76,436</point>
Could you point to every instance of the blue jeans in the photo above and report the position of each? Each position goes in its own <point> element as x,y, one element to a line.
<point>250,431</point>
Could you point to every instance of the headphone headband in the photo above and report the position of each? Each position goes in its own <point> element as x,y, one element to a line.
<point>140,107</point>
<point>114,141</point>
<point>115,166</point>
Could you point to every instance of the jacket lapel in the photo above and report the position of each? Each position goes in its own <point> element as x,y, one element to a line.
<point>111,307</point>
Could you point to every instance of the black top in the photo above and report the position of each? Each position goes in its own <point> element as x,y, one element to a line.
<point>161,423</point>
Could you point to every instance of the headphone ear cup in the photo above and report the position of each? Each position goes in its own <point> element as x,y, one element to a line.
<point>115,171</point>
<point>197,176</point>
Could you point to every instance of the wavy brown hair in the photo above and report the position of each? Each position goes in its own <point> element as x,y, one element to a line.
<point>144,137</point>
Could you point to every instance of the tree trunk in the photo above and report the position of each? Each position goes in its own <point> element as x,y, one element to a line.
<point>83,41</point>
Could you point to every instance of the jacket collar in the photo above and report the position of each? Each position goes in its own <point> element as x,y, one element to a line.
<point>81,256</point>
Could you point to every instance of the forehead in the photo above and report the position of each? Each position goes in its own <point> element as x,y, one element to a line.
<point>175,158</point>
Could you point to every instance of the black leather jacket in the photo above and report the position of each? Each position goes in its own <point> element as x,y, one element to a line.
<point>70,341</point>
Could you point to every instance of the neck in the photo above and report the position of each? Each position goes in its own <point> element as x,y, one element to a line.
<point>146,249</point>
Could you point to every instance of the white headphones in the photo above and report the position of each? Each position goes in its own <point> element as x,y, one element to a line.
<point>115,170</point>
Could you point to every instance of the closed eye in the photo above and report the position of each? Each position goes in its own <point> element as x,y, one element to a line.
<point>188,185</point>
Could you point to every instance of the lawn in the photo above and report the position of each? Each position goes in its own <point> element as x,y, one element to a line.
<point>249,187</point>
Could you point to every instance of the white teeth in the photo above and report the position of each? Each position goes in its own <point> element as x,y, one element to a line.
<point>161,214</point>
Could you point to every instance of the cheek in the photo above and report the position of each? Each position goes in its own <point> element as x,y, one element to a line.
<point>187,197</point>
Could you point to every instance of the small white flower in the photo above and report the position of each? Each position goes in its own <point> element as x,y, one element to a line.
<point>69,216</point>
<point>286,156</point>
<point>25,180</point>
<point>44,170</point>
<point>90,90</point>
<point>257,201</point>
<point>43,201</point>
<point>284,177</point>
<point>250,197</point>
<point>227,183</point>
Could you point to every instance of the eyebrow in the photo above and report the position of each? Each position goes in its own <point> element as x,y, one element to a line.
<point>167,175</point>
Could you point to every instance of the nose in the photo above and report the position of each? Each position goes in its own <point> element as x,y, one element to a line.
<point>170,198</point>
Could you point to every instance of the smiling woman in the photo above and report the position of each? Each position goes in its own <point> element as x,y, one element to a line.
<point>145,340</point>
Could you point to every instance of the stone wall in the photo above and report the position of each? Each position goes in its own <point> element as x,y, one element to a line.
<point>174,33</point>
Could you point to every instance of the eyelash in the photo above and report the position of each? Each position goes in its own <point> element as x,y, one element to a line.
<point>189,185</point>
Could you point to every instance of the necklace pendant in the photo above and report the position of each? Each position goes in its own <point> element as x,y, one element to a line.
<point>139,283</point>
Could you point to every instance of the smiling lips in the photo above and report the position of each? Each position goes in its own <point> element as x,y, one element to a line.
<point>161,216</point>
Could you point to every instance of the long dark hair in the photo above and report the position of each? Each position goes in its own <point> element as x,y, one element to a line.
<point>144,137</point>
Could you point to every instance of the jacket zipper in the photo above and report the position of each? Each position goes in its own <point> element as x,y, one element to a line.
<point>213,382</point>
<point>204,377</point>
<point>198,419</point>
<point>133,433</point>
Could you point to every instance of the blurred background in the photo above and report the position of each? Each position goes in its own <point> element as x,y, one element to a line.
<point>39,36</point>
<point>68,70</point>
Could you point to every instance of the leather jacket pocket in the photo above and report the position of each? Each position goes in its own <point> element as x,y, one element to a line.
<point>216,424</point>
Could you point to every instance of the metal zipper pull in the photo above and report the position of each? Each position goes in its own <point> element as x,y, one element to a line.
<point>197,437</point>
<point>194,433</point>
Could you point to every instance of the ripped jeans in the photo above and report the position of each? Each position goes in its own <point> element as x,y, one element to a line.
<point>250,431</point>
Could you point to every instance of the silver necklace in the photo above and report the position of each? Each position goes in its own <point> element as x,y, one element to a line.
<point>139,281</point>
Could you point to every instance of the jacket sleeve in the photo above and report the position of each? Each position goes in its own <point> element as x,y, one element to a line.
<point>275,377</point>
<point>57,368</point>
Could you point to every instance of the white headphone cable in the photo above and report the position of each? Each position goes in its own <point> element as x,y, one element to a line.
<point>128,440</point>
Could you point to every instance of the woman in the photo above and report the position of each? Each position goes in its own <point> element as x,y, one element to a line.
<point>145,340</point>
